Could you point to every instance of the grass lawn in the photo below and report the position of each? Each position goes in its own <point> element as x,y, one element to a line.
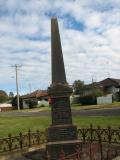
<point>14,125</point>
<point>102,106</point>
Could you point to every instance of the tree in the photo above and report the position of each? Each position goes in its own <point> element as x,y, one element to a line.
<point>14,102</point>
<point>3,96</point>
<point>77,86</point>
<point>11,94</point>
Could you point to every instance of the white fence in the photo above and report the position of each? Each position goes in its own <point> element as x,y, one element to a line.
<point>105,99</point>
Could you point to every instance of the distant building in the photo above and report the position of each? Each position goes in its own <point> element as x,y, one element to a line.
<point>36,97</point>
<point>5,107</point>
<point>107,86</point>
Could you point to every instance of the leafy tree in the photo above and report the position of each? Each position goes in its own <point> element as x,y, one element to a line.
<point>14,102</point>
<point>11,94</point>
<point>77,86</point>
<point>3,96</point>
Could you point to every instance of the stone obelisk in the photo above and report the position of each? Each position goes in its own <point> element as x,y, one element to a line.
<point>62,134</point>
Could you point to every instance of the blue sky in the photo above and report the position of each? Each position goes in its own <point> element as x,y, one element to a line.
<point>90,36</point>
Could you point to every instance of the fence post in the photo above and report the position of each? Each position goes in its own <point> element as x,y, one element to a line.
<point>78,152</point>
<point>91,133</point>
<point>29,138</point>
<point>38,137</point>
<point>21,140</point>
<point>100,141</point>
<point>62,155</point>
<point>109,135</point>
<point>10,142</point>
<point>83,135</point>
<point>48,156</point>
<point>90,151</point>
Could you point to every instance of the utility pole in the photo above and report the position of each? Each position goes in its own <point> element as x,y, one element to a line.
<point>29,87</point>
<point>17,86</point>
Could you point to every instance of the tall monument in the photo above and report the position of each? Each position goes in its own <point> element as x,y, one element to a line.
<point>62,134</point>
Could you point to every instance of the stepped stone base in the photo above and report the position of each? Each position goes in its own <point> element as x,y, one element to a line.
<point>55,148</point>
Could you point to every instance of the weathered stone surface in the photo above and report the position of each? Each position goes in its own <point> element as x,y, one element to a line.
<point>69,147</point>
<point>58,70</point>
<point>62,135</point>
<point>61,111</point>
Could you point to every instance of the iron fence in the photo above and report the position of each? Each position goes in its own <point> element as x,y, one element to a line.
<point>38,138</point>
<point>100,135</point>
<point>94,151</point>
<point>22,141</point>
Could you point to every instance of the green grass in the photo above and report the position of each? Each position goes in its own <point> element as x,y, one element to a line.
<point>103,121</point>
<point>14,125</point>
<point>102,106</point>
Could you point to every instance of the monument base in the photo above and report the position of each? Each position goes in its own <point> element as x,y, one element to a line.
<point>61,133</point>
<point>68,147</point>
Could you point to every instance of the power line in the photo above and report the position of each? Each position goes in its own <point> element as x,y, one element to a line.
<point>17,86</point>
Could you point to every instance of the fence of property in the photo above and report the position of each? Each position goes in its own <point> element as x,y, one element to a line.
<point>22,141</point>
<point>93,151</point>
<point>92,135</point>
<point>100,135</point>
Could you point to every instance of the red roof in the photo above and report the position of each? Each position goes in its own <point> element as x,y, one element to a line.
<point>35,94</point>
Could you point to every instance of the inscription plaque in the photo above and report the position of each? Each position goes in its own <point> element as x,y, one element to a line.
<point>58,133</point>
<point>61,112</point>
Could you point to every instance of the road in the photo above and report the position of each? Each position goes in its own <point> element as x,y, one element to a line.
<point>93,112</point>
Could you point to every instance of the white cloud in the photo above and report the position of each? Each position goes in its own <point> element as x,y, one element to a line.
<point>93,20</point>
<point>25,39</point>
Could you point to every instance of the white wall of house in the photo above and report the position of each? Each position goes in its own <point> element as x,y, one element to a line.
<point>5,107</point>
<point>43,102</point>
<point>105,99</point>
<point>25,105</point>
<point>113,89</point>
<point>73,98</point>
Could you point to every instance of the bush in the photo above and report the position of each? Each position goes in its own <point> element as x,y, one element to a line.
<point>88,100</point>
<point>3,99</point>
<point>41,105</point>
<point>31,103</point>
<point>116,96</point>
<point>14,103</point>
<point>3,96</point>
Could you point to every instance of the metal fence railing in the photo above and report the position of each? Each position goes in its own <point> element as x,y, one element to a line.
<point>100,135</point>
<point>92,135</point>
<point>93,151</point>
<point>22,141</point>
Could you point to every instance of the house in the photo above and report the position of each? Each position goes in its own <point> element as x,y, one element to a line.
<point>106,86</point>
<point>35,98</point>
<point>109,88</point>
<point>5,107</point>
<point>110,85</point>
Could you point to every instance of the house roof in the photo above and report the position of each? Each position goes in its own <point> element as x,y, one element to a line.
<point>109,82</point>
<point>35,94</point>
<point>104,83</point>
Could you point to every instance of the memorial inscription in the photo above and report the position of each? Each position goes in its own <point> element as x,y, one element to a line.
<point>61,112</point>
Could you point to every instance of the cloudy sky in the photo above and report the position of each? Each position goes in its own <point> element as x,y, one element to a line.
<point>90,35</point>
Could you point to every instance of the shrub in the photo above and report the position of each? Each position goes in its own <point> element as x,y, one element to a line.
<point>3,99</point>
<point>14,102</point>
<point>42,105</point>
<point>31,103</point>
<point>3,96</point>
<point>88,100</point>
